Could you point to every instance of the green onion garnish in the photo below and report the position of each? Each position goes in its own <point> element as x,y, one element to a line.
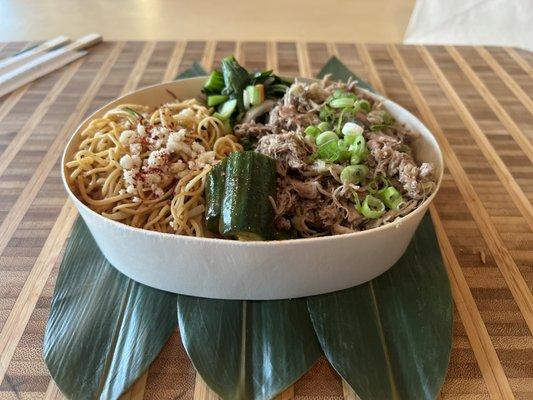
<point>358,149</point>
<point>372,207</point>
<point>363,105</point>
<point>326,137</point>
<point>354,174</point>
<point>377,184</point>
<point>225,110</point>
<point>216,99</point>
<point>323,126</point>
<point>391,197</point>
<point>215,82</point>
<point>342,102</point>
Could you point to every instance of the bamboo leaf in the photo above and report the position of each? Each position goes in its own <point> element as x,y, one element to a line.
<point>104,329</point>
<point>248,349</point>
<point>391,338</point>
<point>339,72</point>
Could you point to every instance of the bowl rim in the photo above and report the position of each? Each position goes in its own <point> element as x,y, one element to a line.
<point>256,243</point>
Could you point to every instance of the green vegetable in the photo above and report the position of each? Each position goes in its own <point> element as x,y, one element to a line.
<point>338,94</point>
<point>312,130</point>
<point>324,126</point>
<point>215,83</point>
<point>372,207</point>
<point>214,192</point>
<point>342,102</point>
<point>225,110</point>
<point>236,79</point>
<point>326,137</point>
<point>391,197</point>
<point>358,149</point>
<point>377,184</point>
<point>329,151</point>
<point>256,94</point>
<point>354,174</point>
<point>216,99</point>
<point>363,105</point>
<point>344,150</point>
<point>246,209</point>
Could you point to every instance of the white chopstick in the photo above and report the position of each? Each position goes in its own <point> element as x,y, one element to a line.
<point>45,63</point>
<point>11,63</point>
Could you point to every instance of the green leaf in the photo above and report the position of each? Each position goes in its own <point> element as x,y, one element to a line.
<point>192,72</point>
<point>391,338</point>
<point>104,329</point>
<point>248,349</point>
<point>339,71</point>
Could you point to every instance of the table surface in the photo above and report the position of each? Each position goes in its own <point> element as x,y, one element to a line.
<point>475,100</point>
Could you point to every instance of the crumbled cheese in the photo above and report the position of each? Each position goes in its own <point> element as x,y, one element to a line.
<point>126,162</point>
<point>157,158</point>
<point>127,137</point>
<point>136,148</point>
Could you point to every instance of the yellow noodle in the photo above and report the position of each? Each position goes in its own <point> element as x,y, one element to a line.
<point>97,177</point>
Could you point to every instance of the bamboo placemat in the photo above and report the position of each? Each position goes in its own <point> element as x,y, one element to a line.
<point>477,102</point>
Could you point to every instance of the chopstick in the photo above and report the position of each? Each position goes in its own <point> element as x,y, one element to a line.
<point>42,64</point>
<point>11,63</point>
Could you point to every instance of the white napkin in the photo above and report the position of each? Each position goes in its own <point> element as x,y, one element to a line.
<point>472,22</point>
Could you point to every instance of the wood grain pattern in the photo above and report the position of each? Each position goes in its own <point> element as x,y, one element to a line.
<point>477,102</point>
<point>476,331</point>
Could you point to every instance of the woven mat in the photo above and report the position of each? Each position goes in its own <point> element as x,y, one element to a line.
<point>476,102</point>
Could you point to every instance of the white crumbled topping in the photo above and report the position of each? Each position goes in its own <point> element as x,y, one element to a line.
<point>157,158</point>
<point>127,137</point>
<point>165,152</point>
<point>126,162</point>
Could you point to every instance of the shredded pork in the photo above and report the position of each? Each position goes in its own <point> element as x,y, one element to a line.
<point>310,195</point>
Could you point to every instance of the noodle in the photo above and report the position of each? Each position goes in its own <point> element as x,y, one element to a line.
<point>148,170</point>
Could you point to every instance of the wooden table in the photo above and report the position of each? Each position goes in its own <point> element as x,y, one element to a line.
<point>475,100</point>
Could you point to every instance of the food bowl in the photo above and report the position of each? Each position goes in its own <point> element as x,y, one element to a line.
<point>227,269</point>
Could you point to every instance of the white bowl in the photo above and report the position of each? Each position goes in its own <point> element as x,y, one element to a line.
<point>228,269</point>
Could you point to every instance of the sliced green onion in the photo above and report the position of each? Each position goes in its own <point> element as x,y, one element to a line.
<point>326,137</point>
<point>358,149</point>
<point>327,113</point>
<point>215,82</point>
<point>323,126</point>
<point>391,197</point>
<point>225,110</point>
<point>352,129</point>
<point>344,150</point>
<point>312,130</point>
<point>338,94</point>
<point>342,102</point>
<point>354,174</point>
<point>372,207</point>
<point>329,151</point>
<point>364,105</point>
<point>256,94</point>
<point>377,184</point>
<point>216,99</point>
